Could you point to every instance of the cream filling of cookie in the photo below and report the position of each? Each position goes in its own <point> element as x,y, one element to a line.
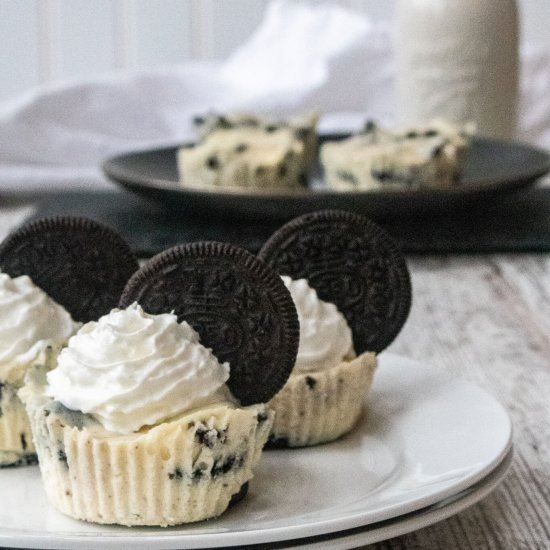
<point>325,337</point>
<point>131,369</point>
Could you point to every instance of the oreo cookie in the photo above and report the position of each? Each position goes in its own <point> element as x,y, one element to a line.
<point>78,262</point>
<point>351,262</point>
<point>238,305</point>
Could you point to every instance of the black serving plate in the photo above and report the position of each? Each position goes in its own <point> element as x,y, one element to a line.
<point>492,167</point>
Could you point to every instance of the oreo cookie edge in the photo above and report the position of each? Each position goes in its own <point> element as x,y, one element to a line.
<point>239,306</point>
<point>81,264</point>
<point>351,262</point>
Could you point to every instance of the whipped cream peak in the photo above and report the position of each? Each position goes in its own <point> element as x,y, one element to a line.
<point>30,321</point>
<point>131,369</point>
<point>325,336</point>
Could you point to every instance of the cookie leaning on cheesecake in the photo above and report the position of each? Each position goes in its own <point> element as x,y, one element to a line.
<point>352,290</point>
<point>92,453</point>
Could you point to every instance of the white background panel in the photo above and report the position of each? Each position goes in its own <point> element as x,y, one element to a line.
<point>45,40</point>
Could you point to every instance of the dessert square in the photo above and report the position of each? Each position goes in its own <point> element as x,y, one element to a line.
<point>381,159</point>
<point>249,152</point>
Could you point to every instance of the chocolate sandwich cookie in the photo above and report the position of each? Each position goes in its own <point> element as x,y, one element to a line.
<point>352,263</point>
<point>238,305</point>
<point>78,262</point>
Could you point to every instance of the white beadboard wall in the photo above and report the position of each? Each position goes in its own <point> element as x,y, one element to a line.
<point>47,40</point>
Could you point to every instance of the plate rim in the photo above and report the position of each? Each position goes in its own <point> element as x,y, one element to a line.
<point>280,533</point>
<point>421,518</point>
<point>403,524</point>
<point>139,183</point>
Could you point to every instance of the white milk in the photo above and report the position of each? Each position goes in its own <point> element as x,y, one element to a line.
<point>458,60</point>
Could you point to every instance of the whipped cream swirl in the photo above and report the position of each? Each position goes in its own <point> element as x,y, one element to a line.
<point>131,369</point>
<point>30,321</point>
<point>325,337</point>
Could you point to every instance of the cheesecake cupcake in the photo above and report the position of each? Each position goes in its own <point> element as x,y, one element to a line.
<point>42,265</point>
<point>155,413</point>
<point>33,329</point>
<point>351,289</point>
<point>323,396</point>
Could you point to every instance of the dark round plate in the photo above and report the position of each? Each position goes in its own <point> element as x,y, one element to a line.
<point>492,168</point>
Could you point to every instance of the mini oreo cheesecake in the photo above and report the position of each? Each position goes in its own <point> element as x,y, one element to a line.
<point>49,281</point>
<point>155,414</point>
<point>351,288</point>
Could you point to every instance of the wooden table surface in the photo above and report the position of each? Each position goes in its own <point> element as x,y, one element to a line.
<point>487,319</point>
<point>484,318</point>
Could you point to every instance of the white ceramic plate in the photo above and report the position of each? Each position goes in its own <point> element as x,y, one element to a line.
<point>406,523</point>
<point>424,437</point>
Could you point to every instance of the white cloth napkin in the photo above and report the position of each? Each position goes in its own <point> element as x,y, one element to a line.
<point>304,56</point>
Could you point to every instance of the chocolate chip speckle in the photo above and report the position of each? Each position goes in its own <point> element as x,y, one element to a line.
<point>311,382</point>
<point>224,123</point>
<point>62,457</point>
<point>347,177</point>
<point>209,436</point>
<point>369,126</point>
<point>213,163</point>
<point>436,151</point>
<point>176,474</point>
<point>261,417</point>
<point>230,463</point>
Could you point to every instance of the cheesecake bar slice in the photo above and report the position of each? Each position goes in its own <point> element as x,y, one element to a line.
<point>248,151</point>
<point>380,159</point>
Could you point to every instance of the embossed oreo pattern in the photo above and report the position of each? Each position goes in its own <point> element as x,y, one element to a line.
<point>351,262</point>
<point>81,264</point>
<point>238,305</point>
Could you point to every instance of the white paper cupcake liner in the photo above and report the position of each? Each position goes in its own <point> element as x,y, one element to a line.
<point>321,406</point>
<point>180,471</point>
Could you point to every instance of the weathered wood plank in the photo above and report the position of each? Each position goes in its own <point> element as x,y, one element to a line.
<point>487,319</point>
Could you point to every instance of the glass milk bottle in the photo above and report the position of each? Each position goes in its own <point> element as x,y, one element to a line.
<point>458,60</point>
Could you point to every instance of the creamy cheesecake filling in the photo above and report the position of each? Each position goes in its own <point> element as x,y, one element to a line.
<point>131,369</point>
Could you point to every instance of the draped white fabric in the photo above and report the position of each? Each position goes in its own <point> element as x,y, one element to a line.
<point>303,57</point>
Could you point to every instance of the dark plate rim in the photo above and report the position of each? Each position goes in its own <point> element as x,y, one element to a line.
<point>116,169</point>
